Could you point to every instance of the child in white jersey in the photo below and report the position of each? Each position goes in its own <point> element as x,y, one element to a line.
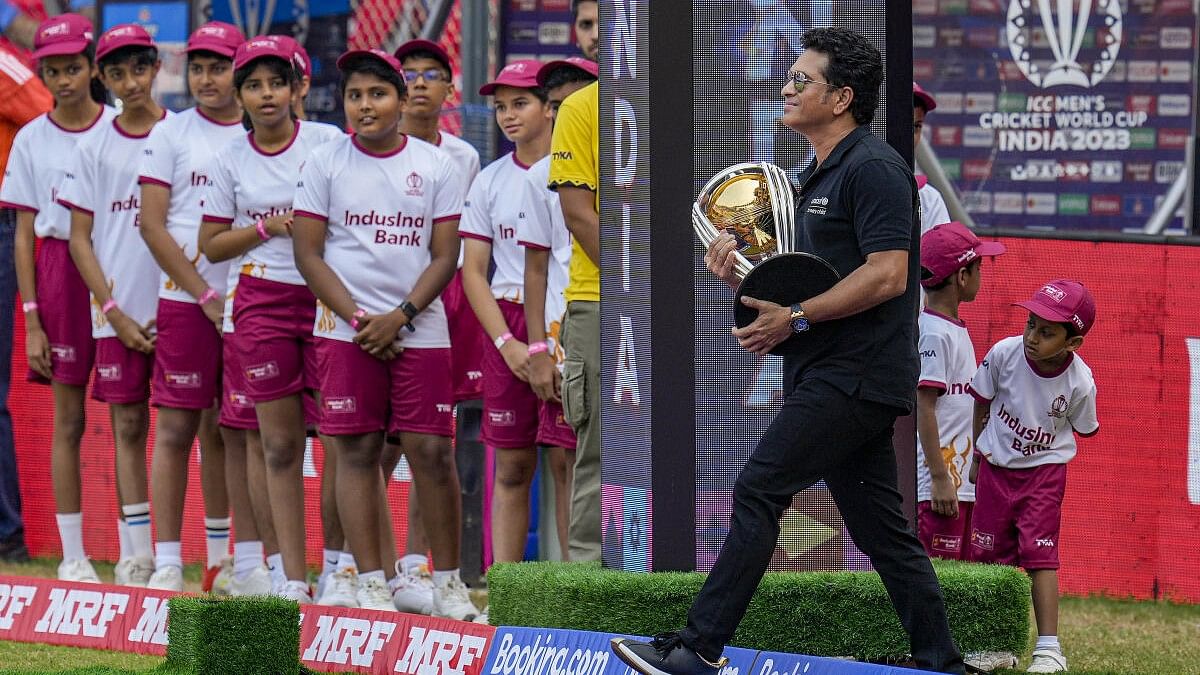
<point>547,243</point>
<point>1033,394</point>
<point>933,207</point>
<point>489,230</point>
<point>58,334</point>
<point>376,238</point>
<point>248,217</point>
<point>951,261</point>
<point>187,356</point>
<point>101,191</point>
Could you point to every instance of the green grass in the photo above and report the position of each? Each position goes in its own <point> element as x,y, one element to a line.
<point>244,635</point>
<point>22,657</point>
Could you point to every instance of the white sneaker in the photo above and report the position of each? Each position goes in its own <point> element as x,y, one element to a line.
<point>79,569</point>
<point>451,601</point>
<point>341,589</point>
<point>374,594</point>
<point>257,582</point>
<point>218,577</point>
<point>989,661</point>
<point>167,578</point>
<point>1048,661</point>
<point>133,572</point>
<point>297,591</point>
<point>412,591</point>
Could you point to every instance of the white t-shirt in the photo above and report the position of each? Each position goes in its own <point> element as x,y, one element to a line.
<point>947,364</point>
<point>102,181</point>
<point>41,154</point>
<point>542,227</point>
<point>466,159</point>
<point>178,156</point>
<point>380,210</point>
<point>248,184</point>
<point>1034,416</point>
<point>933,207</point>
<point>491,213</point>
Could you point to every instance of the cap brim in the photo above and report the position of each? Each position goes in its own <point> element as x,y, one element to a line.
<point>219,50</point>
<point>551,66</point>
<point>990,248</point>
<point>355,53</point>
<point>423,46</point>
<point>1047,312</point>
<point>926,100</point>
<point>61,49</point>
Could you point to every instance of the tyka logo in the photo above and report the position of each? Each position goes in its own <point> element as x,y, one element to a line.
<point>1067,25</point>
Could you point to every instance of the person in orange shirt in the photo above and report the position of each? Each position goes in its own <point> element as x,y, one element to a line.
<point>22,98</point>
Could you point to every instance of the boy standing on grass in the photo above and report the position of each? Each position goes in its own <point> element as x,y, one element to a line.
<point>1033,394</point>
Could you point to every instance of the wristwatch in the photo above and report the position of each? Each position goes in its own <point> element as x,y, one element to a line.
<point>798,319</point>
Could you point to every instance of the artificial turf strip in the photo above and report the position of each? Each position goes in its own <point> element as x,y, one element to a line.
<point>237,635</point>
<point>818,613</point>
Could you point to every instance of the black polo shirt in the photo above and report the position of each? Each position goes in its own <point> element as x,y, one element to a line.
<point>863,199</point>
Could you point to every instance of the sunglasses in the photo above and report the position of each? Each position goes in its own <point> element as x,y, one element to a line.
<point>800,81</point>
<point>429,75</point>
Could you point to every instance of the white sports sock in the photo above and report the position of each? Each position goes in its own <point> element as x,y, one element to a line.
<point>1048,642</point>
<point>441,576</point>
<point>412,560</point>
<point>346,561</point>
<point>247,556</point>
<point>216,537</point>
<point>137,519</point>
<point>329,561</point>
<point>167,554</point>
<point>367,576</point>
<point>275,564</point>
<point>70,530</point>
<point>126,542</point>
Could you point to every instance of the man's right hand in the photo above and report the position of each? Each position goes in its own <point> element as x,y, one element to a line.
<point>37,351</point>
<point>720,259</point>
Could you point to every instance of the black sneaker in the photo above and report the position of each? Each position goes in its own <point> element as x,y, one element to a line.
<point>665,655</point>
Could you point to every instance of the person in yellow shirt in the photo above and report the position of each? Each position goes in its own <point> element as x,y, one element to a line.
<point>575,175</point>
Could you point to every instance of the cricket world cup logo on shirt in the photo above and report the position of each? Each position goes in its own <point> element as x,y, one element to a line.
<point>414,182</point>
<point>1062,57</point>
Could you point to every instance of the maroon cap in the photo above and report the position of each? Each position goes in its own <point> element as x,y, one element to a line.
<point>1064,301</point>
<point>590,67</point>
<point>122,35</point>
<point>61,35</point>
<point>924,97</point>
<point>423,46</point>
<point>299,55</point>
<point>949,247</point>
<point>217,37</point>
<point>387,58</point>
<point>521,74</point>
<point>261,47</point>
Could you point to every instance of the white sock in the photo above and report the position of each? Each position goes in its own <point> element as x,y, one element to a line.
<point>377,575</point>
<point>442,576</point>
<point>167,554</point>
<point>126,542</point>
<point>216,536</point>
<point>247,557</point>
<point>1048,642</point>
<point>70,530</point>
<point>137,519</point>
<point>275,564</point>
<point>412,560</point>
<point>346,561</point>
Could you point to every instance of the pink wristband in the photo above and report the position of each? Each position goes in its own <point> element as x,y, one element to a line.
<point>538,347</point>
<point>358,314</point>
<point>208,294</point>
<point>504,337</point>
<point>262,230</point>
<point>30,306</point>
<point>108,306</point>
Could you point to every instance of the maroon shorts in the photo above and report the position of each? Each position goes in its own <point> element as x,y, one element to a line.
<point>510,408</point>
<point>1017,515</point>
<point>361,394</point>
<point>122,374</point>
<point>467,342</point>
<point>237,410</point>
<point>553,429</point>
<point>64,309</point>
<point>944,537</point>
<point>273,325</point>
<point>187,357</point>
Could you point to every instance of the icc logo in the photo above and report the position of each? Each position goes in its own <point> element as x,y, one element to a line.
<point>1059,407</point>
<point>414,182</point>
<point>1046,43</point>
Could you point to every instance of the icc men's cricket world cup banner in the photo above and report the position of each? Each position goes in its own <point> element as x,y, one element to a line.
<point>1070,115</point>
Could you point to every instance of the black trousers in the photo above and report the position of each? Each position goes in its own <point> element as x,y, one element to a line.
<point>822,433</point>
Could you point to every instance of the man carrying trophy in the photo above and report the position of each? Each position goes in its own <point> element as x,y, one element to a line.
<point>856,211</point>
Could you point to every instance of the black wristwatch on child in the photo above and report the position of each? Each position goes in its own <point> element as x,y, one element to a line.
<point>410,310</point>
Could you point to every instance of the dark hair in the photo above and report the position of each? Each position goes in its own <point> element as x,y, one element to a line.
<point>136,55</point>
<point>853,62</point>
<point>98,91</point>
<point>918,103</point>
<point>1072,329</point>
<point>427,54</point>
<point>207,54</point>
<point>278,68</point>
<point>566,75</point>
<point>369,65</point>
<point>925,274</point>
<point>575,7</point>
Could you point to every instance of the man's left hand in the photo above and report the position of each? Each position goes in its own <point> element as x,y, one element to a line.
<point>773,325</point>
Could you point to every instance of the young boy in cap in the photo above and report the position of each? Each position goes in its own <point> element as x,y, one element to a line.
<point>951,261</point>
<point>1033,394</point>
<point>933,207</point>
<point>102,193</point>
